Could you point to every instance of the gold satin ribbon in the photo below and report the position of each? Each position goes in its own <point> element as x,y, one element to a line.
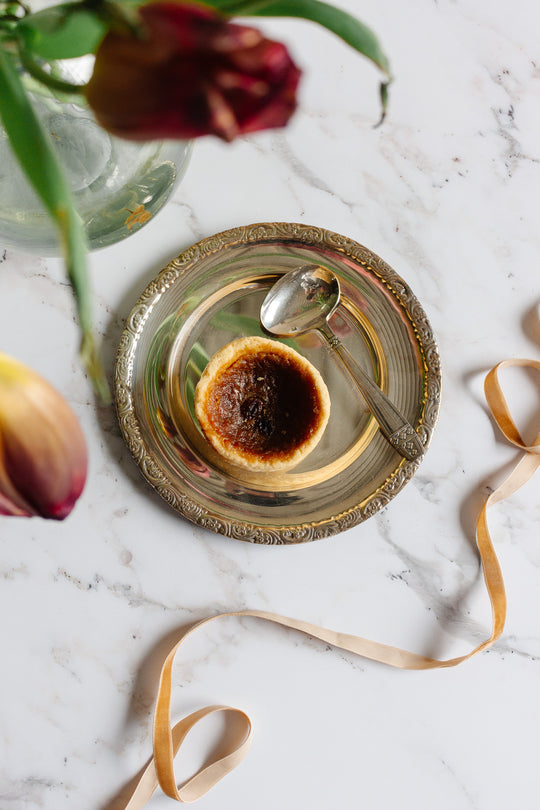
<point>167,740</point>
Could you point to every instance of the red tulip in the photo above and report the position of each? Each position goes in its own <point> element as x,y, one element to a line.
<point>190,73</point>
<point>43,458</point>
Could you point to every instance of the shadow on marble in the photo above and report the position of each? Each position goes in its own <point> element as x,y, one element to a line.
<point>121,798</point>
<point>142,699</point>
<point>106,414</point>
<point>528,426</point>
<point>530,324</point>
<point>473,503</point>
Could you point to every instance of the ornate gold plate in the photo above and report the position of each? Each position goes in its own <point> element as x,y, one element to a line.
<point>211,294</point>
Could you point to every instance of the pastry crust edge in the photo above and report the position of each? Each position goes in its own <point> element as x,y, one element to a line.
<point>223,358</point>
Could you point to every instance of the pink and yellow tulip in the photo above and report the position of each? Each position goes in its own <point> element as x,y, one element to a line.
<point>43,458</point>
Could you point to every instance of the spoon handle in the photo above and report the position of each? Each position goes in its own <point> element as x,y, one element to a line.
<point>395,428</point>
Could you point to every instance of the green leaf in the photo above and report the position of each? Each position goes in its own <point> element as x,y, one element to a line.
<point>245,8</point>
<point>61,32</point>
<point>38,159</point>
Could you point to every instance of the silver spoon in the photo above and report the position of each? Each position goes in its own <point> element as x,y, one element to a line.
<point>302,300</point>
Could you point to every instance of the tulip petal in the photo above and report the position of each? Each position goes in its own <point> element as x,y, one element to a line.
<point>43,458</point>
<point>222,118</point>
<point>11,502</point>
<point>193,73</point>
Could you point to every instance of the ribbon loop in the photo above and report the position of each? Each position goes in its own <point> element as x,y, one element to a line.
<point>160,769</point>
<point>167,740</point>
<point>499,407</point>
<point>208,776</point>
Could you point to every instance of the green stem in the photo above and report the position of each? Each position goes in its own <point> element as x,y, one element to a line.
<point>13,7</point>
<point>60,85</point>
<point>40,163</point>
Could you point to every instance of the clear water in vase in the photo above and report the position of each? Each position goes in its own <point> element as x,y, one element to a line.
<point>118,185</point>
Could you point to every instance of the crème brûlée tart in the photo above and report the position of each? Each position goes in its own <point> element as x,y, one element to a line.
<point>261,405</point>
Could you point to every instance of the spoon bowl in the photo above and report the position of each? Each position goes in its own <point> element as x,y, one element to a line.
<point>300,301</point>
<point>303,300</point>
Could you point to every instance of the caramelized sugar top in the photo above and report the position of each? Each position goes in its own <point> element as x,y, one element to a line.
<point>265,404</point>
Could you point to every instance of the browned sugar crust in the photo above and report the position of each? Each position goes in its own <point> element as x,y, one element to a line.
<point>261,404</point>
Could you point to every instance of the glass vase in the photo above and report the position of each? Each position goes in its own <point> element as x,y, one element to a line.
<point>118,185</point>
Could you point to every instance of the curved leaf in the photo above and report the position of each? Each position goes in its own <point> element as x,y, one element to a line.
<point>61,32</point>
<point>340,22</point>
<point>42,168</point>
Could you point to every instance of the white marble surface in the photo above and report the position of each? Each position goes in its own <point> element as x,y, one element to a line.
<point>447,193</point>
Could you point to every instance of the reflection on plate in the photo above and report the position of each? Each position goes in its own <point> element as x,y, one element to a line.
<point>210,295</point>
